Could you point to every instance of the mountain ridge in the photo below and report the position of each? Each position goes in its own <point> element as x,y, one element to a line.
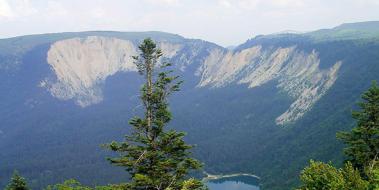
<point>226,113</point>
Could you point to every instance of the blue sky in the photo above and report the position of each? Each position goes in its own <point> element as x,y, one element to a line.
<point>226,22</point>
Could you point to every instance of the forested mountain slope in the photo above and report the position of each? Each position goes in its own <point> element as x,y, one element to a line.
<point>266,107</point>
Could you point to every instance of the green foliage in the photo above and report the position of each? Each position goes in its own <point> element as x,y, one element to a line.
<point>155,158</point>
<point>363,140</point>
<point>321,176</point>
<point>353,180</point>
<point>374,179</point>
<point>72,184</point>
<point>17,183</point>
<point>75,185</point>
<point>362,150</point>
<point>68,185</point>
<point>193,184</point>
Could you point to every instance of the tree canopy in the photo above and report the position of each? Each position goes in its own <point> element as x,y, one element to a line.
<point>362,147</point>
<point>156,157</point>
<point>17,182</point>
<point>363,140</point>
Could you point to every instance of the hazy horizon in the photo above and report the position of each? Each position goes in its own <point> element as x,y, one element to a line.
<point>224,22</point>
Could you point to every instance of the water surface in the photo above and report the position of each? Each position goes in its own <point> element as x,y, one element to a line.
<point>234,183</point>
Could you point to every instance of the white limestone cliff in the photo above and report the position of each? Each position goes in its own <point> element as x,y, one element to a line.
<point>81,66</point>
<point>297,72</point>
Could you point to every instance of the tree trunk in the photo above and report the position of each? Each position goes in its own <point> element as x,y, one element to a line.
<point>149,114</point>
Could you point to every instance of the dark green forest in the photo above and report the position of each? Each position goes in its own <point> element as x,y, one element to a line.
<point>232,128</point>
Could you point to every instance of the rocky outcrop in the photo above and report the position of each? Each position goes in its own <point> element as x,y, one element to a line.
<point>297,72</point>
<point>81,66</point>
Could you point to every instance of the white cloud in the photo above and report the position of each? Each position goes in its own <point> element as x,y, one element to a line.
<point>249,4</point>
<point>55,8</point>
<point>225,3</point>
<point>288,3</point>
<point>373,2</point>
<point>16,9</point>
<point>5,9</point>
<point>24,7</point>
<point>163,2</point>
<point>98,13</point>
<point>227,22</point>
<point>241,4</point>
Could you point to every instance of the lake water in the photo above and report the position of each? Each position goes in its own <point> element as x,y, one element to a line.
<point>234,183</point>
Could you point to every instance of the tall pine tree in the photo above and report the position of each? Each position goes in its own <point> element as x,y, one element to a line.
<point>155,157</point>
<point>17,183</point>
<point>363,140</point>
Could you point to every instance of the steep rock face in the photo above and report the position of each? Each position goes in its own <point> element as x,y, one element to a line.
<point>222,67</point>
<point>297,72</point>
<point>169,49</point>
<point>193,53</point>
<point>81,66</point>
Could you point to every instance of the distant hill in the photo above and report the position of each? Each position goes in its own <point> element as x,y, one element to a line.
<point>349,31</point>
<point>365,26</point>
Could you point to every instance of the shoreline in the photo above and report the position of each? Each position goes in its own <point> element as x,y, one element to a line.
<point>220,176</point>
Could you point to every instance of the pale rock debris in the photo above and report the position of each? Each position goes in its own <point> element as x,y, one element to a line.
<point>221,68</point>
<point>169,50</point>
<point>297,72</point>
<point>82,65</point>
<point>268,67</point>
<point>307,92</point>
